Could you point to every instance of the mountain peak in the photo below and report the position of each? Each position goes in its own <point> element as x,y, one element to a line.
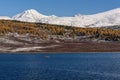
<point>30,15</point>
<point>31,11</point>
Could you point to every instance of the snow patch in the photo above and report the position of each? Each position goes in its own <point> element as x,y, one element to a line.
<point>25,49</point>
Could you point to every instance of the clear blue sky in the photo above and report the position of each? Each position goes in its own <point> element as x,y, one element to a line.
<point>57,7</point>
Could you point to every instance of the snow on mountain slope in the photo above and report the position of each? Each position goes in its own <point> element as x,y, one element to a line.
<point>29,16</point>
<point>5,18</point>
<point>108,18</point>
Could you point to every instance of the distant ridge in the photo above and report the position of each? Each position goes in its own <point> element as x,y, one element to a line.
<point>108,18</point>
<point>5,18</point>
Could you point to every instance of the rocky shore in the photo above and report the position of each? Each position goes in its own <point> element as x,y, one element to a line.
<point>24,43</point>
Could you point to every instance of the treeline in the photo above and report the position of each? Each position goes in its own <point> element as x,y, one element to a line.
<point>7,26</point>
<point>101,33</point>
<point>45,30</point>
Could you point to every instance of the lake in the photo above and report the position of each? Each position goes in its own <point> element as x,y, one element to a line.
<point>72,66</point>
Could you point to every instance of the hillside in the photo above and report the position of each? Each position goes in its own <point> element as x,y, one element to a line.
<point>16,36</point>
<point>47,31</point>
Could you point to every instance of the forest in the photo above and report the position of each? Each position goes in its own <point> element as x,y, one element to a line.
<point>44,31</point>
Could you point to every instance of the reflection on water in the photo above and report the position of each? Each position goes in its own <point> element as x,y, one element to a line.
<point>60,66</point>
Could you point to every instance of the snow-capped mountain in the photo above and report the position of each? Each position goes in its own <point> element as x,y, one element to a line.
<point>29,16</point>
<point>108,18</point>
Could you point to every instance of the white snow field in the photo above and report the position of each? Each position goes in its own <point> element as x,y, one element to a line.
<point>108,18</point>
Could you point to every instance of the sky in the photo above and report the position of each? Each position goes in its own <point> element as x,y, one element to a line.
<point>57,7</point>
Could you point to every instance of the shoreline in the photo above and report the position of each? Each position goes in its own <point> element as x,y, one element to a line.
<point>63,47</point>
<point>51,53</point>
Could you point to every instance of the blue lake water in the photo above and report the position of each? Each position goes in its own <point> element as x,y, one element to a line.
<point>72,66</point>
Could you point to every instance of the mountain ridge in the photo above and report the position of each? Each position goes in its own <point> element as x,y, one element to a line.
<point>108,18</point>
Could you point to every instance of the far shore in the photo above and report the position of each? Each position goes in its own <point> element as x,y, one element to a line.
<point>63,47</point>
